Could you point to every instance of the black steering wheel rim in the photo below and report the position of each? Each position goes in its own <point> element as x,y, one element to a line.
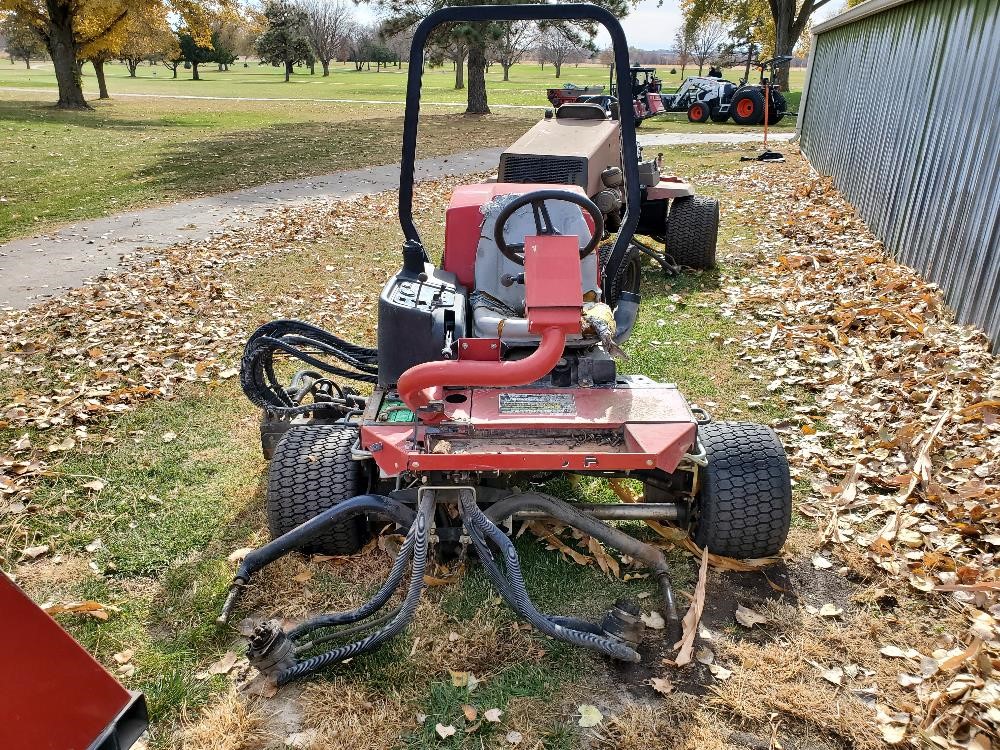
<point>536,199</point>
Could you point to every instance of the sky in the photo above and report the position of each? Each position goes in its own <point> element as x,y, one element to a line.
<point>650,26</point>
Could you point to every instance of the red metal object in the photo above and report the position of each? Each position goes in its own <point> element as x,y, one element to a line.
<point>483,350</point>
<point>553,300</point>
<point>464,221</point>
<point>646,426</point>
<point>56,696</point>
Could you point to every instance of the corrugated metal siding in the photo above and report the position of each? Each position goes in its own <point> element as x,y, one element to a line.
<point>903,111</point>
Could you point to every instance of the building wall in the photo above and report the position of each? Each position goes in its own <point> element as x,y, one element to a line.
<point>902,109</point>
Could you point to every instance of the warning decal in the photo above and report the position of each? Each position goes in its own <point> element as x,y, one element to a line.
<point>537,403</point>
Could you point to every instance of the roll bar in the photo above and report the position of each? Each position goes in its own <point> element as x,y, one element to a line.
<point>542,12</point>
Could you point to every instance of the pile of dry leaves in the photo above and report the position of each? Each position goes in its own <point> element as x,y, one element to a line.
<point>897,431</point>
<point>176,316</point>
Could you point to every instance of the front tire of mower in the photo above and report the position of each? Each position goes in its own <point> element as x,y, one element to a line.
<point>311,471</point>
<point>744,500</point>
<point>693,231</point>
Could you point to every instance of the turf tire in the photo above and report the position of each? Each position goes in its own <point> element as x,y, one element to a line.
<point>744,501</point>
<point>693,231</point>
<point>629,273</point>
<point>699,112</point>
<point>719,117</point>
<point>747,106</point>
<point>311,471</point>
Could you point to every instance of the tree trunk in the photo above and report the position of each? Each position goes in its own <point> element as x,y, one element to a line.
<point>701,67</point>
<point>460,73</point>
<point>312,68</point>
<point>477,104</point>
<point>27,63</point>
<point>102,84</point>
<point>326,68</point>
<point>288,70</point>
<point>506,71</point>
<point>194,72</point>
<point>62,49</point>
<point>558,68</point>
<point>683,68</point>
<point>785,37</point>
<point>132,65</point>
<point>175,70</point>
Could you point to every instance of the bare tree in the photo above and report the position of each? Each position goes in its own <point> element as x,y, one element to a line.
<point>512,44</point>
<point>684,42</point>
<point>558,46</point>
<point>707,37</point>
<point>327,22</point>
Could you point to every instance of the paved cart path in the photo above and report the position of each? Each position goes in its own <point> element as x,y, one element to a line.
<point>36,268</point>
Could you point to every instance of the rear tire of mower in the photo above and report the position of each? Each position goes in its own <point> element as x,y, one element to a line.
<point>311,471</point>
<point>744,501</point>
<point>693,231</point>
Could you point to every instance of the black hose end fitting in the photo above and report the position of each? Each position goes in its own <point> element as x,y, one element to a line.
<point>623,622</point>
<point>269,649</point>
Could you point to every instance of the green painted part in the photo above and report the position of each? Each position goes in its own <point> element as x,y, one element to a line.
<point>395,411</point>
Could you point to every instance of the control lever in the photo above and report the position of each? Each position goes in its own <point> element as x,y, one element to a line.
<point>509,279</point>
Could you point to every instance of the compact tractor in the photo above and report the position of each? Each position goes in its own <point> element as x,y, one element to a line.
<point>496,371</point>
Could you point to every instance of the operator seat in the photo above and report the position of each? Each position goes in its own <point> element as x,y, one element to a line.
<point>498,311</point>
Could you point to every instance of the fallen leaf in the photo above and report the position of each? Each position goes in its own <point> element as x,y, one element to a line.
<point>830,610</point>
<point>653,620</point>
<point>223,665</point>
<point>33,553</point>
<point>470,712</point>
<point>124,657</point>
<point>230,372</point>
<point>720,672</point>
<point>303,576</point>
<point>821,563</point>
<point>661,685</point>
<point>834,675</point>
<point>303,740</point>
<point>748,617</point>
<point>514,738</point>
<point>704,655</point>
<point>237,555</point>
<point>168,437</point>
<point>94,546</point>
<point>589,715</point>
<point>689,625</point>
<point>444,731</point>
<point>493,715</point>
<point>96,485</point>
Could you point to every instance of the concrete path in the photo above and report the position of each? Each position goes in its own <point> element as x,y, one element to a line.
<point>35,268</point>
<point>43,266</point>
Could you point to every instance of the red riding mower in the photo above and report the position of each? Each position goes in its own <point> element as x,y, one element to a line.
<point>494,373</point>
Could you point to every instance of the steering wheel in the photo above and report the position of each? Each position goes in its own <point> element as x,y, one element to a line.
<point>543,223</point>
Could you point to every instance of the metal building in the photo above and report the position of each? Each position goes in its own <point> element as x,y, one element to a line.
<point>902,108</point>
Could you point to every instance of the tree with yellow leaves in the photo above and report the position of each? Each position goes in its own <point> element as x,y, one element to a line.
<point>87,29</point>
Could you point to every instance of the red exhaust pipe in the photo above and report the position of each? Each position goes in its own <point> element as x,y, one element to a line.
<point>416,384</point>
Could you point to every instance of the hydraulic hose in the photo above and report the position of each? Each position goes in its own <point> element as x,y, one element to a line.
<point>425,512</point>
<point>515,591</point>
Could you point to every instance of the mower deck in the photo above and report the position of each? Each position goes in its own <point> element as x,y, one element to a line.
<point>637,424</point>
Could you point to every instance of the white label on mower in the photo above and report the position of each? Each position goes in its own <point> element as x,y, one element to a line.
<point>537,403</point>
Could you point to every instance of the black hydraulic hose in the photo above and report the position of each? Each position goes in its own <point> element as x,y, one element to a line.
<point>601,531</point>
<point>373,605</point>
<point>375,504</point>
<point>307,343</point>
<point>515,592</point>
<point>425,512</point>
<point>344,632</point>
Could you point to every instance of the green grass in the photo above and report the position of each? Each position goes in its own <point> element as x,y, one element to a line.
<point>58,166</point>
<point>170,513</point>
<point>526,86</point>
<point>135,151</point>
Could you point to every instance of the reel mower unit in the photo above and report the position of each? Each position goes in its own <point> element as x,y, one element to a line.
<point>495,372</point>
